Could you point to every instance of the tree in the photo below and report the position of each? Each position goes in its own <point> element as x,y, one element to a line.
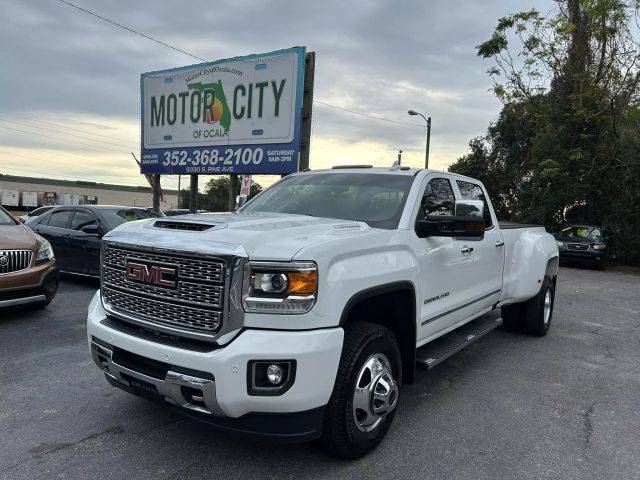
<point>565,142</point>
<point>215,197</point>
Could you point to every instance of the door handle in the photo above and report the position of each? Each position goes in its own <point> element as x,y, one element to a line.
<point>499,244</point>
<point>466,250</point>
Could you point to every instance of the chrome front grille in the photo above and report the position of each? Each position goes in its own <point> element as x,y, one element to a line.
<point>582,247</point>
<point>190,267</point>
<point>14,260</point>
<point>195,302</point>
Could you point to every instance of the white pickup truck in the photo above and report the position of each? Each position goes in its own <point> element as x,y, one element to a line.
<point>299,316</point>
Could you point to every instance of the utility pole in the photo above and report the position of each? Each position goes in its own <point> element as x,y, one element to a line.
<point>426,155</point>
<point>428,120</point>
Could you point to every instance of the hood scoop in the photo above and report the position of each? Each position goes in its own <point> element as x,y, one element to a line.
<point>190,226</point>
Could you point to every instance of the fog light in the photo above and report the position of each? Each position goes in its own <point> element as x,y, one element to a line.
<point>274,374</point>
<point>270,377</point>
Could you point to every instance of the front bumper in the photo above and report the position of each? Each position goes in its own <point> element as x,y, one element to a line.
<point>33,285</point>
<point>591,256</point>
<point>221,376</point>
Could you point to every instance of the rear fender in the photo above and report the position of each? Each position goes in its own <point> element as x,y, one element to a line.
<point>534,255</point>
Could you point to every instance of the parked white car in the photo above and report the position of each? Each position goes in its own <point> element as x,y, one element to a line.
<point>299,316</point>
<point>35,213</point>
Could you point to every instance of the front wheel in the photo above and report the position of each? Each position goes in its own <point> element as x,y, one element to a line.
<point>365,395</point>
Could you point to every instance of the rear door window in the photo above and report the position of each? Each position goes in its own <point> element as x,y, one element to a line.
<point>60,219</point>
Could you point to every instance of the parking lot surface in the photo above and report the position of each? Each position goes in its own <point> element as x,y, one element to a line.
<point>510,406</point>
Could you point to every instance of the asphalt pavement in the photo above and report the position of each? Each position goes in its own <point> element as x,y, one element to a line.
<point>510,406</point>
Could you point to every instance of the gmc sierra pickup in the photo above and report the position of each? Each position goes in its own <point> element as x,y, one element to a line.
<point>299,316</point>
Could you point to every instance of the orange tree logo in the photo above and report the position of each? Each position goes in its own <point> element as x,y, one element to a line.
<point>216,109</point>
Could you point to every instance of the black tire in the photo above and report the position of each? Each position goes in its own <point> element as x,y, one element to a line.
<point>529,316</point>
<point>341,435</point>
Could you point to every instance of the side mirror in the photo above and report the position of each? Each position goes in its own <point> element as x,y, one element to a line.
<point>241,200</point>
<point>92,229</point>
<point>468,226</point>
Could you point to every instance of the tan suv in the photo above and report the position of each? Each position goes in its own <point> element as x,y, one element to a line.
<point>28,272</point>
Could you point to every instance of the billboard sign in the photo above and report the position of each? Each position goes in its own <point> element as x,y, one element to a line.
<point>240,115</point>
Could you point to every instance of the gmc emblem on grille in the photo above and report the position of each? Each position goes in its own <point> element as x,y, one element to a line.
<point>151,274</point>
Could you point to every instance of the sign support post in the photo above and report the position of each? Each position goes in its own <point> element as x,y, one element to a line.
<point>193,194</point>
<point>232,191</point>
<point>307,110</point>
<point>156,192</point>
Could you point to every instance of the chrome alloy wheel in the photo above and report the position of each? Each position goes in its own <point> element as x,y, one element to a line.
<point>547,306</point>
<point>376,393</point>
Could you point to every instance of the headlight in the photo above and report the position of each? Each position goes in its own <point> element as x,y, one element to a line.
<point>46,252</point>
<point>599,246</point>
<point>284,288</point>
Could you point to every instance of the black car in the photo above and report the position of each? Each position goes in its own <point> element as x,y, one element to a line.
<point>584,244</point>
<point>76,232</point>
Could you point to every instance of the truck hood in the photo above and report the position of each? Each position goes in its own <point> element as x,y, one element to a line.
<point>17,237</point>
<point>259,236</point>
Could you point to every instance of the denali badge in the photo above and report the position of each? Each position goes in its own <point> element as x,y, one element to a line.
<point>151,274</point>
<point>436,297</point>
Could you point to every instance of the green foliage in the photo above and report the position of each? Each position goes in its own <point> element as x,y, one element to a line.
<point>215,197</point>
<point>566,146</point>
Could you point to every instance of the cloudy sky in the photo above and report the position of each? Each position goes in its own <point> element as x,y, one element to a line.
<point>69,103</point>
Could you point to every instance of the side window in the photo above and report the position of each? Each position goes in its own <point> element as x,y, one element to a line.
<point>438,198</point>
<point>60,219</point>
<point>81,219</point>
<point>472,191</point>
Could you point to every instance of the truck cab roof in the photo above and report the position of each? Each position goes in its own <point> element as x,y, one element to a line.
<point>364,169</point>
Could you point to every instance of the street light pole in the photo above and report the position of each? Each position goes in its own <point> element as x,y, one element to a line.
<point>428,120</point>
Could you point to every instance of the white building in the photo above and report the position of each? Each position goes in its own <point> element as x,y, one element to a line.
<point>25,193</point>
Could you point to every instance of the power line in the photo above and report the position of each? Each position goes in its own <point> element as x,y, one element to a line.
<point>62,139</point>
<point>75,129</point>
<point>368,116</point>
<point>130,30</point>
<point>97,142</point>
<point>65,162</point>
<point>204,60</point>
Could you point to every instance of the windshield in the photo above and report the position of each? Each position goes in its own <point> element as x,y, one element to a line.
<point>589,233</point>
<point>376,199</point>
<point>119,216</point>
<point>5,218</point>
